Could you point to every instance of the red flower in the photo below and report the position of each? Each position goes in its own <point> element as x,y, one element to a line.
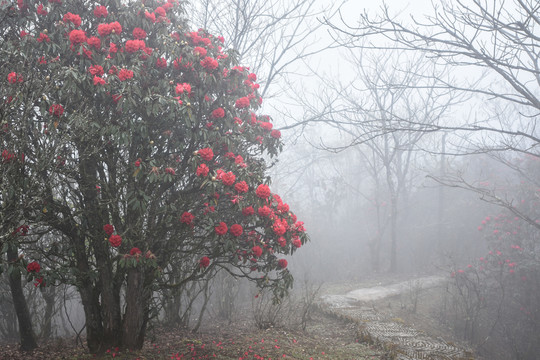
<point>94,42</point>
<point>282,263</point>
<point>236,230</point>
<point>266,126</point>
<point>116,28</point>
<point>96,70</point>
<point>297,242</point>
<point>77,37</point>
<point>56,110</point>
<point>33,267</point>
<point>160,11</point>
<point>39,282</point>
<point>276,134</point>
<point>135,251</point>
<point>150,16</point>
<point>206,154</point>
<point>104,29</point>
<point>263,191</point>
<point>161,63</point>
<point>204,262</point>
<point>247,211</point>
<point>209,63</point>
<point>100,11</point>
<point>109,229</point>
<point>13,77</point>
<point>218,113</point>
<point>242,103</point>
<point>43,37</point>
<point>221,229</point>
<point>228,178</point>
<point>202,170</point>
<point>180,88</point>
<point>99,81</point>
<point>264,211</point>
<point>125,74</point>
<point>170,171</point>
<point>257,251</point>
<point>73,18</point>
<point>115,240</point>
<point>280,226</point>
<point>282,241</point>
<point>139,33</point>
<point>241,187</point>
<point>134,46</point>
<point>187,218</point>
<point>299,226</point>
<point>200,51</point>
<point>41,11</point>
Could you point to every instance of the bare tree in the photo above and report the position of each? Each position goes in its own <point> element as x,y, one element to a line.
<point>271,35</point>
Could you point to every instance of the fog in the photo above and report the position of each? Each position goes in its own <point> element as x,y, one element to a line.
<point>409,153</point>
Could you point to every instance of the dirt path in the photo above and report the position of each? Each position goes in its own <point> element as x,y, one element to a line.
<point>406,342</point>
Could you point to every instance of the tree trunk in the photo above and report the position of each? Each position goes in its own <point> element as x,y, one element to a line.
<point>27,336</point>
<point>393,236</point>
<point>136,315</point>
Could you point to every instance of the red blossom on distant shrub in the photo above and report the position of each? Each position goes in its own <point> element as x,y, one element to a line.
<point>115,240</point>
<point>257,251</point>
<point>282,263</point>
<point>125,74</point>
<point>241,187</point>
<point>204,262</point>
<point>56,110</point>
<point>135,251</point>
<point>139,33</point>
<point>13,78</point>
<point>77,37</point>
<point>187,218</point>
<point>247,211</point>
<point>109,229</point>
<point>209,63</point>
<point>33,267</point>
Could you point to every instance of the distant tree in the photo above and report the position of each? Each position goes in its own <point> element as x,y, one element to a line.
<point>136,147</point>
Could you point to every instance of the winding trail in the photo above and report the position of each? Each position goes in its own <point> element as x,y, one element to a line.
<point>404,341</point>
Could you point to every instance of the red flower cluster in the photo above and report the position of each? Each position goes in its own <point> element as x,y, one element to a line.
<point>206,154</point>
<point>115,240</point>
<point>72,18</point>
<point>242,103</point>
<point>204,262</point>
<point>43,38</point>
<point>100,11</point>
<point>218,113</point>
<point>228,178</point>
<point>282,263</point>
<point>180,88</point>
<point>257,251</point>
<point>247,211</point>
<point>56,110</point>
<point>125,74</point>
<point>139,33</point>
<point>236,230</point>
<point>199,51</point>
<point>96,70</point>
<point>109,229</point>
<point>13,78</point>
<point>263,191</point>
<point>221,229</point>
<point>241,187</point>
<point>134,46</point>
<point>77,37</point>
<point>202,170</point>
<point>135,251</point>
<point>187,218</point>
<point>33,267</point>
<point>209,63</point>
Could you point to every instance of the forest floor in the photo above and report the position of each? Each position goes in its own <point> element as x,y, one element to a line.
<point>376,315</point>
<point>326,337</point>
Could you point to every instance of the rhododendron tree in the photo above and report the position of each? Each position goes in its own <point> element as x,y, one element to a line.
<point>142,149</point>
